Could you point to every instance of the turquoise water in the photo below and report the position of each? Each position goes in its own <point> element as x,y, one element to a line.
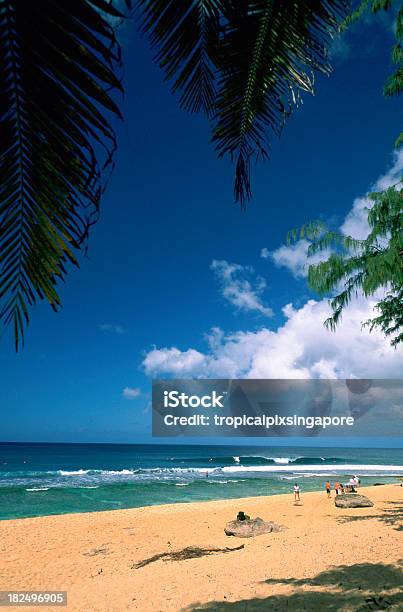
<point>44,479</point>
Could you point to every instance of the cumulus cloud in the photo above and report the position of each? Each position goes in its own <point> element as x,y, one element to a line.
<point>301,348</point>
<point>131,392</point>
<point>173,361</point>
<point>111,327</point>
<point>237,289</point>
<point>295,258</point>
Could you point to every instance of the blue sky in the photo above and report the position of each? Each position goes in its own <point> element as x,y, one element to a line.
<point>147,297</point>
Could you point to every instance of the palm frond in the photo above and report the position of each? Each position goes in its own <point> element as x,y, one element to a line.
<point>185,35</point>
<point>58,64</point>
<point>269,53</point>
<point>243,62</point>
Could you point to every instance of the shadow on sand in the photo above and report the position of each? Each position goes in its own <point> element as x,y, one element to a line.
<point>360,587</point>
<point>391,516</point>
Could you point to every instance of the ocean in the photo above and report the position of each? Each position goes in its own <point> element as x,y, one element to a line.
<point>45,479</point>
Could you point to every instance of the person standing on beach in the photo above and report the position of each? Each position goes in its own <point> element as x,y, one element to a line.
<point>327,486</point>
<point>353,484</point>
<point>337,487</point>
<point>296,492</point>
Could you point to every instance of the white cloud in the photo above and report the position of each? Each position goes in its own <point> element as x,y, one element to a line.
<point>237,289</point>
<point>301,348</point>
<point>393,175</point>
<point>110,327</point>
<point>172,361</point>
<point>295,258</point>
<point>265,253</point>
<point>131,392</point>
<point>356,222</point>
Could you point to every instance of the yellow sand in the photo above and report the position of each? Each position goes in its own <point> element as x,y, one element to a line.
<point>327,559</point>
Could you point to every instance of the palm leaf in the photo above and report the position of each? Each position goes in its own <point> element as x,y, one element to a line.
<point>243,62</point>
<point>58,74</point>
<point>185,35</point>
<point>269,53</point>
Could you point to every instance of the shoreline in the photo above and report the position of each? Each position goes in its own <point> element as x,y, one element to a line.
<point>306,487</point>
<point>391,480</point>
<point>183,504</point>
<point>95,556</point>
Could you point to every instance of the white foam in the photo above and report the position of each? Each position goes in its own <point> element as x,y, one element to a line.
<point>236,459</point>
<point>72,472</point>
<point>38,489</point>
<point>124,472</point>
<point>190,470</point>
<point>119,472</point>
<point>282,460</point>
<point>315,468</point>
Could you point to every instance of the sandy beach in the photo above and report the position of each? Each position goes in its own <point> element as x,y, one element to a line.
<point>327,558</point>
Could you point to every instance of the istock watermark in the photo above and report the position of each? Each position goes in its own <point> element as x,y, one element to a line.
<point>173,399</point>
<point>233,407</point>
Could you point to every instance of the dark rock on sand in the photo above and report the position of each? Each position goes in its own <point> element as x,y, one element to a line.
<point>250,528</point>
<point>352,500</point>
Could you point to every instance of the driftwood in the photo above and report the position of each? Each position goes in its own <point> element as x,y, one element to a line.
<point>190,552</point>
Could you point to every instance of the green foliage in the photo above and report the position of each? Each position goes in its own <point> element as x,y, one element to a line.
<point>244,63</point>
<point>186,36</point>
<point>365,5</point>
<point>394,83</point>
<point>363,266</point>
<point>366,266</point>
<point>58,73</point>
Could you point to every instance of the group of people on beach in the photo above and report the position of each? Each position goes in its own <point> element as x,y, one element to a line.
<point>339,487</point>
